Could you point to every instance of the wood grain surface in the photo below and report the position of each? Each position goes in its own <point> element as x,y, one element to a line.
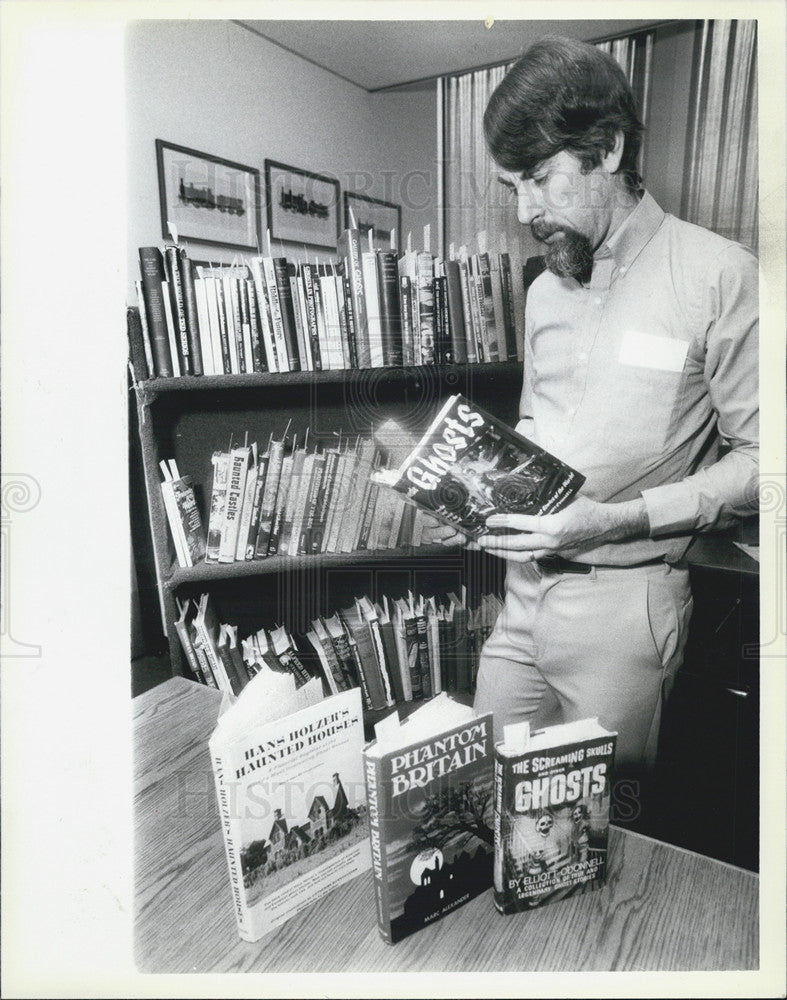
<point>663,908</point>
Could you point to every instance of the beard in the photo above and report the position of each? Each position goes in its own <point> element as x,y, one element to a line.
<point>570,256</point>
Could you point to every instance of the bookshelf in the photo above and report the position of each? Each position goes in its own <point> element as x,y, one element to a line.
<point>189,417</point>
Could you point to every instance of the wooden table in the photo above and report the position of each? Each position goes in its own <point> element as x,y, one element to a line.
<point>663,908</point>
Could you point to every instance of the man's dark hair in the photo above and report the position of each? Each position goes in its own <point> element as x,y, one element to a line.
<point>563,94</point>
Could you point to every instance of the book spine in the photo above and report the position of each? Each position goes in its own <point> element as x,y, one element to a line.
<point>287,308</point>
<point>390,308</point>
<point>172,265</point>
<point>245,324</point>
<point>406,309</point>
<point>212,298</point>
<point>264,313</point>
<point>218,500</point>
<point>352,329</point>
<point>374,780</point>
<point>283,360</point>
<point>190,309</point>
<point>139,339</point>
<point>497,878</point>
<point>190,519</point>
<point>246,513</point>
<point>256,508</point>
<point>224,337</point>
<point>152,271</point>
<point>236,682</point>
<point>509,321</point>
<point>311,316</point>
<point>414,667</point>
<point>344,330</point>
<point>469,311</point>
<point>188,650</point>
<point>370,499</point>
<point>236,485</point>
<point>257,351</point>
<point>204,665</point>
<point>319,525</point>
<point>269,495</point>
<point>312,503</point>
<point>212,656</point>
<point>424,663</point>
<point>426,308</point>
<point>301,334</point>
<point>225,792</point>
<point>357,664</point>
<point>281,503</point>
<point>203,322</point>
<point>350,249</point>
<point>456,311</point>
<point>486,299</point>
<point>296,504</point>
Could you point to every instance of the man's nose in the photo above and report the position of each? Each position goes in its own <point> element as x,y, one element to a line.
<point>529,202</point>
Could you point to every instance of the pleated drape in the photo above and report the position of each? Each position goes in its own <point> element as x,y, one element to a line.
<point>721,186</point>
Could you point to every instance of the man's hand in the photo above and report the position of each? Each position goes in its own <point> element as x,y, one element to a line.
<point>435,532</point>
<point>581,526</point>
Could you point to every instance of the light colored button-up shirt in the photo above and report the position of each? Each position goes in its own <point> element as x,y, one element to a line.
<point>638,378</point>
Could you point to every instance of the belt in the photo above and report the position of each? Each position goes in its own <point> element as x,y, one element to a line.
<point>557,564</point>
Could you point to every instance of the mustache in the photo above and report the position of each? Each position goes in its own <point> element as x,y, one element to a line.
<point>542,230</point>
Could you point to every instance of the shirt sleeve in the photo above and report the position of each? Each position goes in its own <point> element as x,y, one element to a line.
<point>720,494</point>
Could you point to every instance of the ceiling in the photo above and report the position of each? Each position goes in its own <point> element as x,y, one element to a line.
<point>379,54</point>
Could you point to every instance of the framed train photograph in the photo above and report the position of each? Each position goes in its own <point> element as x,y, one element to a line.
<point>380,218</point>
<point>303,207</point>
<point>208,199</point>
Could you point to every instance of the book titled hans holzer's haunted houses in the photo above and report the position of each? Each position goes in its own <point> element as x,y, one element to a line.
<point>469,465</point>
<point>429,796</point>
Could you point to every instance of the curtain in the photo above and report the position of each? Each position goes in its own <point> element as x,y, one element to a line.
<point>720,191</point>
<point>474,201</point>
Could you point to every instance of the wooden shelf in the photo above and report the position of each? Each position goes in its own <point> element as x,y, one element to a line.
<point>209,572</point>
<point>192,383</point>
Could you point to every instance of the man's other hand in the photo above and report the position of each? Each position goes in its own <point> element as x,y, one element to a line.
<point>437,533</point>
<point>581,526</point>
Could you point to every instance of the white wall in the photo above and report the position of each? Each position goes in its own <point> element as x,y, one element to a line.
<point>218,88</point>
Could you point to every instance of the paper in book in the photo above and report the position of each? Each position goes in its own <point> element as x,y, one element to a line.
<point>469,465</point>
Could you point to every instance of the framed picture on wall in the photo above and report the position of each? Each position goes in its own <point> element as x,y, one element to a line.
<point>302,207</point>
<point>381,218</point>
<point>209,199</point>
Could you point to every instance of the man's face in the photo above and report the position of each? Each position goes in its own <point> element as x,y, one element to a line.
<point>567,210</point>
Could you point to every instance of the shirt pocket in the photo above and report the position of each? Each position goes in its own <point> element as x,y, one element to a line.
<point>641,409</point>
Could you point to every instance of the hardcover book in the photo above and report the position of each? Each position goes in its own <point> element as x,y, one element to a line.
<point>289,778</point>
<point>552,795</point>
<point>469,465</point>
<point>430,797</point>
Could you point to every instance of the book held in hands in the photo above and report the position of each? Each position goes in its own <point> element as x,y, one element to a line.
<point>469,465</point>
<point>552,797</point>
<point>429,793</point>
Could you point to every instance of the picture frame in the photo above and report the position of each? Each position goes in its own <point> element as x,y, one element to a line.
<point>207,198</point>
<point>302,207</point>
<point>374,214</point>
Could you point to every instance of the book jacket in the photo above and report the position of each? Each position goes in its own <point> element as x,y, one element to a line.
<point>430,815</point>
<point>551,822</point>
<point>469,465</point>
<point>292,801</point>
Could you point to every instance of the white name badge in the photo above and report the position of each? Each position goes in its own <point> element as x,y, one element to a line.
<point>645,350</point>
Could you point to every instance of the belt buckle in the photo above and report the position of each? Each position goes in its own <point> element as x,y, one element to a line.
<point>557,564</point>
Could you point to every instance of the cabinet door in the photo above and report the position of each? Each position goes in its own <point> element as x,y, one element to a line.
<point>708,770</point>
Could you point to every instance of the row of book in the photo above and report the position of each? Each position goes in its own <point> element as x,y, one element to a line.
<point>366,309</point>
<point>433,808</point>
<point>288,500</point>
<point>396,651</point>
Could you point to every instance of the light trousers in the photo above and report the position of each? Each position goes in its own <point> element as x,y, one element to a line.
<point>571,646</point>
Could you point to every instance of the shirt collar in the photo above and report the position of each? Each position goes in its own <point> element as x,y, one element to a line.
<point>626,243</point>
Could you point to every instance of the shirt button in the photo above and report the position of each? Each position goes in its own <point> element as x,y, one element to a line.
<point>597,301</point>
<point>582,356</point>
<point>623,270</point>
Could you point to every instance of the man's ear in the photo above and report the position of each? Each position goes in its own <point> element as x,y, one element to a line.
<point>612,159</point>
